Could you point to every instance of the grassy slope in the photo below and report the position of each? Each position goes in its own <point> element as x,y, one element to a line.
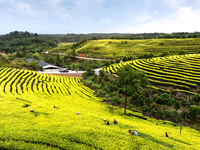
<point>62,128</point>
<point>62,48</point>
<point>114,48</point>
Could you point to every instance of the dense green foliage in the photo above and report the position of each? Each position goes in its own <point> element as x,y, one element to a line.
<point>25,43</point>
<point>153,103</point>
<point>131,81</point>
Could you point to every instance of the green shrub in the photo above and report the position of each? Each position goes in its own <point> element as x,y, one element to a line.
<point>95,86</point>
<point>89,72</point>
<point>116,99</point>
<point>106,78</point>
<point>129,58</point>
<point>88,83</point>
<point>101,92</point>
<point>175,116</point>
<point>166,114</point>
<point>194,110</point>
<point>177,104</point>
<point>153,111</point>
<point>124,58</point>
<point>161,43</point>
<point>164,99</point>
<point>148,101</point>
<point>182,52</point>
<point>196,99</point>
<point>117,61</point>
<point>102,73</point>
<point>164,53</point>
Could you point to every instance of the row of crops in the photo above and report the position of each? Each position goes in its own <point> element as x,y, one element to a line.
<point>17,82</point>
<point>60,127</point>
<point>182,72</point>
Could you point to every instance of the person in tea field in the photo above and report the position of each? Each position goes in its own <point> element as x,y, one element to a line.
<point>166,134</point>
<point>135,132</point>
<point>108,123</point>
<point>54,106</point>
<point>115,122</point>
<point>78,113</point>
<point>129,131</point>
<point>31,110</point>
<point>104,119</point>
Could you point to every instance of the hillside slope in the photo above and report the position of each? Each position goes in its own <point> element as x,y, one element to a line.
<point>61,128</point>
<point>178,73</point>
<point>61,48</point>
<point>119,48</point>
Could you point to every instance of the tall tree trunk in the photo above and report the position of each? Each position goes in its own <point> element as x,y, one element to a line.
<point>181,127</point>
<point>125,105</point>
<point>125,101</point>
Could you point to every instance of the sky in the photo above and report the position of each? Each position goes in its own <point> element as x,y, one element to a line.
<point>99,16</point>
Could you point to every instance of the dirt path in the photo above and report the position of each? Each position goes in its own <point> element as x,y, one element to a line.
<point>77,57</point>
<point>67,74</point>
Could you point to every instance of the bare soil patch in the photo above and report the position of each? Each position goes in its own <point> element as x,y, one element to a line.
<point>67,74</point>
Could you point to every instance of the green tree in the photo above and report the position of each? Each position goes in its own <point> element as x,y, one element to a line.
<point>73,53</point>
<point>59,61</point>
<point>8,50</point>
<point>117,61</point>
<point>34,65</point>
<point>194,110</point>
<point>131,79</point>
<point>124,58</point>
<point>89,72</point>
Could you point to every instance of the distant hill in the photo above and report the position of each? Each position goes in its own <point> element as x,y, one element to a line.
<point>93,36</point>
<point>115,48</point>
<point>24,41</point>
<point>16,35</point>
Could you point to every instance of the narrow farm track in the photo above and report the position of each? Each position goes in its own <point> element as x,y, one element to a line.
<point>78,57</point>
<point>67,74</point>
<point>182,72</point>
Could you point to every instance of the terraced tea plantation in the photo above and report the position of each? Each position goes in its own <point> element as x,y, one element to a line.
<point>61,128</point>
<point>109,48</point>
<point>18,82</point>
<point>178,73</point>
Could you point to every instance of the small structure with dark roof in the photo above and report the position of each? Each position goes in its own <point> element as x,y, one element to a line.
<point>46,67</point>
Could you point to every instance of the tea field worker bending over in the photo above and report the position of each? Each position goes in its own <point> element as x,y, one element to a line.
<point>31,110</point>
<point>104,119</point>
<point>108,123</point>
<point>78,113</point>
<point>135,132</point>
<point>54,106</point>
<point>129,131</point>
<point>115,122</point>
<point>166,134</point>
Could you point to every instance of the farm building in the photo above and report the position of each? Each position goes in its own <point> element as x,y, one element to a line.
<point>46,67</point>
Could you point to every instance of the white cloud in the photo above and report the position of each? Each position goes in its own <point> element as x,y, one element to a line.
<point>185,19</point>
<point>14,7</point>
<point>174,3</point>
<point>24,8</point>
